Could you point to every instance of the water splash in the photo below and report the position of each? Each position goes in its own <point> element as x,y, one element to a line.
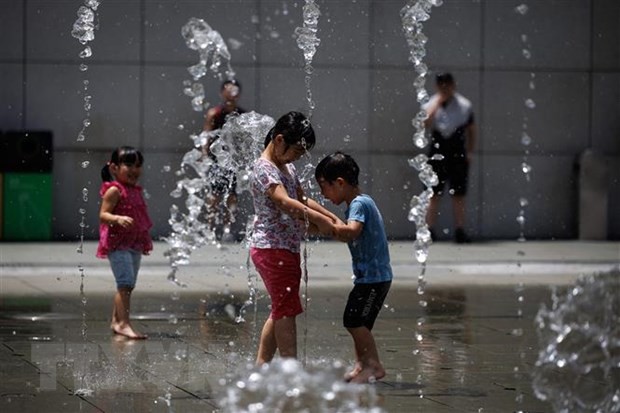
<point>285,386</point>
<point>412,16</point>
<point>84,31</point>
<point>579,341</point>
<point>240,143</point>
<point>308,41</point>
<point>191,229</point>
<point>211,48</point>
<point>213,56</point>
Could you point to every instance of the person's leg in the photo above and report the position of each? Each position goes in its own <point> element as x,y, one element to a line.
<point>229,217</point>
<point>439,167</point>
<point>213,201</point>
<point>281,272</point>
<point>460,236</point>
<point>267,346</point>
<point>286,336</point>
<point>122,304</point>
<point>458,206</point>
<point>458,182</point>
<point>433,207</point>
<point>363,307</point>
<point>367,356</point>
<point>125,265</point>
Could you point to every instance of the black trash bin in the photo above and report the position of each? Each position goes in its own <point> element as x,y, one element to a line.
<point>26,161</point>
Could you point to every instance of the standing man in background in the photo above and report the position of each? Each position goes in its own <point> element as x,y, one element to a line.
<point>223,180</point>
<point>453,135</point>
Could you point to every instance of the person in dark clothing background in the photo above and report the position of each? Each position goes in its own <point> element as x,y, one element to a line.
<point>453,135</point>
<point>223,181</point>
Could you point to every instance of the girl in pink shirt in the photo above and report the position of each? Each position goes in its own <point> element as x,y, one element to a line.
<point>281,209</point>
<point>124,226</point>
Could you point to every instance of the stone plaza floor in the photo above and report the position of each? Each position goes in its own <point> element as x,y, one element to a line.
<point>470,348</point>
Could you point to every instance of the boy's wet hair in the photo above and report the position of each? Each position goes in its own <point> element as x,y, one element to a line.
<point>444,78</point>
<point>123,155</point>
<point>295,128</point>
<point>338,165</point>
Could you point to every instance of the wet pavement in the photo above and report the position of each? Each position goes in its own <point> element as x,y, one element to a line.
<point>471,348</point>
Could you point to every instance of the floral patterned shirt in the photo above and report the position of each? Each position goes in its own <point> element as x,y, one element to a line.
<point>273,228</point>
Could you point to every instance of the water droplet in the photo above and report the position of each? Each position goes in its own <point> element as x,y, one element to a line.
<point>530,104</point>
<point>526,140</point>
<point>85,164</point>
<point>87,52</point>
<point>522,9</point>
<point>526,168</point>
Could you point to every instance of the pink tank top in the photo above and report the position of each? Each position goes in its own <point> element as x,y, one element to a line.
<point>136,236</point>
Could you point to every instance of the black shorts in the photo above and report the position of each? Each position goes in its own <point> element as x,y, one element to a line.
<point>365,302</point>
<point>453,171</point>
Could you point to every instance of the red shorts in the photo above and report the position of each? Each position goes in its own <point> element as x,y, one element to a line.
<point>280,270</point>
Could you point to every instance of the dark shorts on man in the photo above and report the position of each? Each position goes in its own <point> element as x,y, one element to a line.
<point>364,303</point>
<point>453,171</point>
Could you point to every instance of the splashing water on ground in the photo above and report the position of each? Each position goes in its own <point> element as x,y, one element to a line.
<point>578,366</point>
<point>285,386</point>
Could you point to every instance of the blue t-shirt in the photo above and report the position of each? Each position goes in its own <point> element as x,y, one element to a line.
<point>370,253</point>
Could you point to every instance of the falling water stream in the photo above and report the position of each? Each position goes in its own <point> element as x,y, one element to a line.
<point>307,41</point>
<point>84,31</point>
<point>413,14</point>
<point>529,104</point>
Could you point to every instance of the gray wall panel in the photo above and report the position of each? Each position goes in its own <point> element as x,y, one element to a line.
<point>551,193</point>
<point>555,124</point>
<point>12,30</point>
<point>605,135</point>
<point>605,35</point>
<point>11,114</point>
<point>115,104</point>
<point>557,34</point>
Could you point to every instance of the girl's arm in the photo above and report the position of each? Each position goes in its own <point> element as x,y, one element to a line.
<point>311,203</point>
<point>298,210</point>
<point>108,203</point>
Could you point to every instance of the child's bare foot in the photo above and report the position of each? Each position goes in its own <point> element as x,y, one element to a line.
<point>351,374</point>
<point>128,332</point>
<point>369,375</point>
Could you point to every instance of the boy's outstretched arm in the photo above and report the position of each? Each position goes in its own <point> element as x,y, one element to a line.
<point>349,231</point>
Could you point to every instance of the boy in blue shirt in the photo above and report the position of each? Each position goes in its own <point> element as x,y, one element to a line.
<point>363,231</point>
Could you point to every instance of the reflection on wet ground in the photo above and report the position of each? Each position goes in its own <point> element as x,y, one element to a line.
<point>475,355</point>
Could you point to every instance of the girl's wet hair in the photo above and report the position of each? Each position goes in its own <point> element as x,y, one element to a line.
<point>124,155</point>
<point>338,165</point>
<point>295,128</point>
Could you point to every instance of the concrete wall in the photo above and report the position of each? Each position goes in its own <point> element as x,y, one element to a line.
<point>362,87</point>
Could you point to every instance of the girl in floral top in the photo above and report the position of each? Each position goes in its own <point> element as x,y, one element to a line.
<point>123,230</point>
<point>281,210</point>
